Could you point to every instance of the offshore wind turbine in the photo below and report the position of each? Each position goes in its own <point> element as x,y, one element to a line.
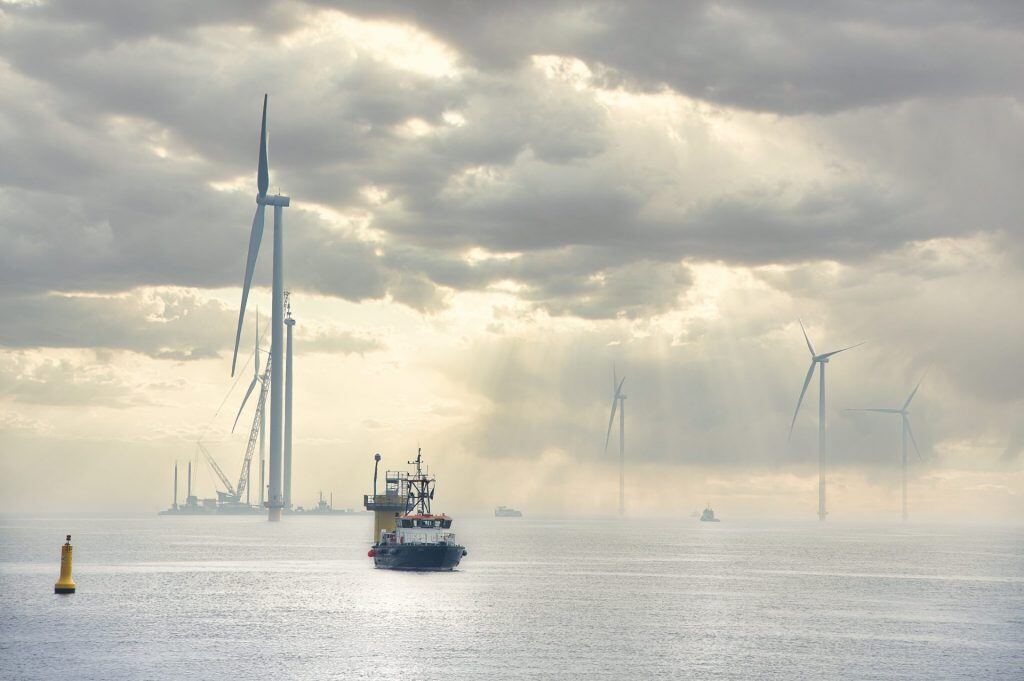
<point>275,500</point>
<point>905,430</point>
<point>619,403</point>
<point>817,360</point>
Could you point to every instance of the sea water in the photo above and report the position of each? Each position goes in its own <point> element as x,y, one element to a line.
<point>536,598</point>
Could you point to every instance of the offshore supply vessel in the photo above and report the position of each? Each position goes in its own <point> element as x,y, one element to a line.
<point>413,538</point>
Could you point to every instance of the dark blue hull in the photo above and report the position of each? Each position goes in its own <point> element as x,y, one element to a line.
<point>417,556</point>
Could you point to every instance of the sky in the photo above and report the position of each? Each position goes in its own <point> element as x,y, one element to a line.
<point>493,204</point>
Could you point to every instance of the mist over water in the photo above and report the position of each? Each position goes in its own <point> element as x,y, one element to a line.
<point>535,598</point>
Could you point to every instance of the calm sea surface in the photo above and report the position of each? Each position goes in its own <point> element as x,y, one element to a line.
<point>238,598</point>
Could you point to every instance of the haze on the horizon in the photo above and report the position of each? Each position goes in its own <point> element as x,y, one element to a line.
<point>488,209</point>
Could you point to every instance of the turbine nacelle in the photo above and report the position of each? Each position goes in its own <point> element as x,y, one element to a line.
<point>275,200</point>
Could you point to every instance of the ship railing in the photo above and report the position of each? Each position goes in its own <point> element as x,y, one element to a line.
<point>370,500</point>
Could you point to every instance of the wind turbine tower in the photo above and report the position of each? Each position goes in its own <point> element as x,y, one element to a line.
<point>817,360</point>
<point>275,499</point>
<point>289,323</point>
<point>619,403</point>
<point>905,431</point>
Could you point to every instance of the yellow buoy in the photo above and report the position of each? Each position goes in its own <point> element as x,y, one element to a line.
<point>65,585</point>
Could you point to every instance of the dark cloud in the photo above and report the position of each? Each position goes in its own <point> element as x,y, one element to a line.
<point>118,120</point>
<point>788,57</point>
<point>126,20</point>
<point>162,324</point>
<point>171,324</point>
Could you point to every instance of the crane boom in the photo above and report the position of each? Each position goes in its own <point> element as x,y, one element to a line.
<point>216,469</point>
<point>254,432</point>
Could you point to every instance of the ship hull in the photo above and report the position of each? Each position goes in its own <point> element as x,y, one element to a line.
<point>425,557</point>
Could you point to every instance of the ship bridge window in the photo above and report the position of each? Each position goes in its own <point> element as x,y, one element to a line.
<point>425,523</point>
<point>446,523</point>
<point>405,522</point>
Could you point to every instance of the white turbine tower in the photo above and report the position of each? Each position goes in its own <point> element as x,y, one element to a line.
<point>619,402</point>
<point>275,500</point>
<point>905,430</point>
<point>289,323</point>
<point>817,361</point>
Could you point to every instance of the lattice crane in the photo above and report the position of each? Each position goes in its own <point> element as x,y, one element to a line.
<point>254,432</point>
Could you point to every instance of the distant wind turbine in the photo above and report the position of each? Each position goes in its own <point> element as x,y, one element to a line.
<point>819,361</point>
<point>619,402</point>
<point>905,430</point>
<point>275,500</point>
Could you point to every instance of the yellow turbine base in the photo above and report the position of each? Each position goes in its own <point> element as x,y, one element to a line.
<point>383,520</point>
<point>65,584</point>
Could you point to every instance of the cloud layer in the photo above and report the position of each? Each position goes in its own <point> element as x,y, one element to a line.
<point>544,188</point>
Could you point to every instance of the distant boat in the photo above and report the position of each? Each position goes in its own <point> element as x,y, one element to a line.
<point>708,516</point>
<point>506,512</point>
<point>325,508</point>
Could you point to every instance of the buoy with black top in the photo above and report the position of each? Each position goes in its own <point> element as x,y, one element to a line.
<point>65,585</point>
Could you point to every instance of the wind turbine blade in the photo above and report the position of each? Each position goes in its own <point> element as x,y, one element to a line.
<point>615,377</point>
<point>618,388</point>
<point>836,352</point>
<point>245,399</point>
<point>611,420</point>
<point>256,352</point>
<point>913,392</point>
<point>263,173</point>
<point>810,346</point>
<point>807,381</point>
<point>913,440</point>
<point>255,236</point>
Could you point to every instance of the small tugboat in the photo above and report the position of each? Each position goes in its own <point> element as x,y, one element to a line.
<point>506,512</point>
<point>708,516</point>
<point>420,540</point>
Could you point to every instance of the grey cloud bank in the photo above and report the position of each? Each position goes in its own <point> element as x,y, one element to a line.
<point>856,162</point>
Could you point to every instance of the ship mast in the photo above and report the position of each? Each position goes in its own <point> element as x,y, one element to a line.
<point>421,488</point>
